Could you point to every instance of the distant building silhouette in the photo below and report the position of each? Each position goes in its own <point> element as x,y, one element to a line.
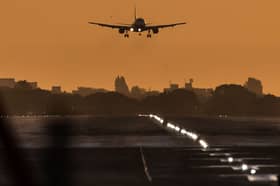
<point>138,93</point>
<point>201,93</point>
<point>26,85</point>
<point>152,93</point>
<point>86,91</point>
<point>34,85</point>
<point>7,82</point>
<point>141,93</point>
<point>189,86</point>
<point>171,88</point>
<point>56,90</point>
<point>121,86</point>
<point>254,85</point>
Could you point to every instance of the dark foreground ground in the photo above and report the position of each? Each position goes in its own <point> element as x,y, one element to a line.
<point>138,151</point>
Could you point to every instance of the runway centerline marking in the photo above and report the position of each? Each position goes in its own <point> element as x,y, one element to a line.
<point>146,169</point>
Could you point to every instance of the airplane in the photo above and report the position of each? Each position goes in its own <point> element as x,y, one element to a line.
<point>139,25</point>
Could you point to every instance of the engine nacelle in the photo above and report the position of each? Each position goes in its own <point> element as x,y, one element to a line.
<point>121,30</point>
<point>155,30</point>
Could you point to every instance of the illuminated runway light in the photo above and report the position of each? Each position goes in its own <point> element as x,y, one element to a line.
<point>244,167</point>
<point>177,129</point>
<point>189,134</point>
<point>170,126</point>
<point>131,29</point>
<point>230,159</point>
<point>253,171</point>
<point>203,144</point>
<point>193,136</point>
<point>160,120</point>
<point>183,131</point>
<point>139,30</point>
<point>143,115</point>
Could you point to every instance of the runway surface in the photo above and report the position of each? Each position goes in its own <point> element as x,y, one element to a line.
<point>144,151</point>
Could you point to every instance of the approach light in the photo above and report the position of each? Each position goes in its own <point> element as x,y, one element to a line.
<point>131,29</point>
<point>139,30</point>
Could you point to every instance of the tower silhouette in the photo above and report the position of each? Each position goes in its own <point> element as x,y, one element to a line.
<point>121,86</point>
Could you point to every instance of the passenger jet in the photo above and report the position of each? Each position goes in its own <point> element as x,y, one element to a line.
<point>138,26</point>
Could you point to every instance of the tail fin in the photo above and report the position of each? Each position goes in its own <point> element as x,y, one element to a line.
<point>135,13</point>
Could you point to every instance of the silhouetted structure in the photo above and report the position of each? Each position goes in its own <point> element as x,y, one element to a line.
<point>177,102</point>
<point>232,100</point>
<point>56,90</point>
<point>26,98</point>
<point>189,86</point>
<point>138,93</point>
<point>254,85</point>
<point>171,88</point>
<point>203,94</point>
<point>86,91</point>
<point>226,100</point>
<point>152,93</point>
<point>121,86</point>
<point>26,85</point>
<point>7,82</point>
<point>110,103</point>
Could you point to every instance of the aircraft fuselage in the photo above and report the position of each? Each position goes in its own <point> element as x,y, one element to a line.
<point>139,25</point>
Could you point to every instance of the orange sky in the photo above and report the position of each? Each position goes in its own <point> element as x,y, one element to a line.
<point>49,41</point>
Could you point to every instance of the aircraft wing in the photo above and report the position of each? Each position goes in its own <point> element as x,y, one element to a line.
<point>111,25</point>
<point>164,26</point>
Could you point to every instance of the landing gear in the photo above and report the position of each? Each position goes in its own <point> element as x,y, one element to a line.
<point>126,34</point>
<point>149,34</point>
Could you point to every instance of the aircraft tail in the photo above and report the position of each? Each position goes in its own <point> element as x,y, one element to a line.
<point>135,13</point>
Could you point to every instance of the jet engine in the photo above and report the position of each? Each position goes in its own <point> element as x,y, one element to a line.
<point>155,30</point>
<point>121,30</point>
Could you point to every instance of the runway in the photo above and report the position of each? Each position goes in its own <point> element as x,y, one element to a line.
<point>144,151</point>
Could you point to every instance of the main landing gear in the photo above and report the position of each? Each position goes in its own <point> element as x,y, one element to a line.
<point>149,34</point>
<point>126,35</point>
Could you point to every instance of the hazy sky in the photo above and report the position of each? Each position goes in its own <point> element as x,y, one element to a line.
<point>49,41</point>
